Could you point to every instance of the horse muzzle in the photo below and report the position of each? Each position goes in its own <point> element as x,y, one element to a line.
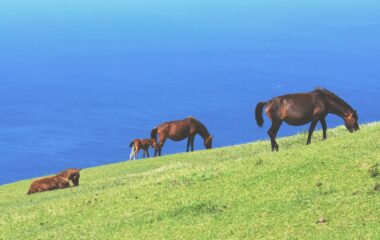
<point>353,129</point>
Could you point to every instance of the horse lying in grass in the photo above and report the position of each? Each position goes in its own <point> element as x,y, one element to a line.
<point>138,144</point>
<point>180,130</point>
<point>302,108</point>
<point>59,181</point>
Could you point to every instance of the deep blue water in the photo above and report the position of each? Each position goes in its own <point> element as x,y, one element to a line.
<point>80,79</point>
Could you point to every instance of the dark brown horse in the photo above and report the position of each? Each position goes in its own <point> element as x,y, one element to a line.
<point>178,131</point>
<point>302,108</point>
<point>59,181</point>
<point>138,144</point>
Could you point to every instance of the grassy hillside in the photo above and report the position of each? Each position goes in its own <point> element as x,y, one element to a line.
<point>320,191</point>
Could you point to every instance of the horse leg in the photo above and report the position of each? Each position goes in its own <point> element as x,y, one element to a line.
<point>324,127</point>
<point>147,152</point>
<point>162,142</point>
<point>188,144</point>
<point>131,154</point>
<point>143,153</point>
<point>192,143</point>
<point>136,152</point>
<point>311,130</point>
<point>272,132</point>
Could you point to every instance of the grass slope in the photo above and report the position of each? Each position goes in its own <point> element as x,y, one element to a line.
<point>234,192</point>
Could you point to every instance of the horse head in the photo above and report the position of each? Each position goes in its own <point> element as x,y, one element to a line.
<point>351,121</point>
<point>73,175</point>
<point>155,146</point>
<point>208,142</point>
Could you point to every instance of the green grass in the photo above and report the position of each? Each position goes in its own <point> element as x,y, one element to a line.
<point>239,192</point>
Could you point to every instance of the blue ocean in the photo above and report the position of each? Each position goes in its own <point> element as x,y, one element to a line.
<point>80,79</point>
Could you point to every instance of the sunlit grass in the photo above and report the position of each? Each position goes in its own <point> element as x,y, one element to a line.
<point>237,192</point>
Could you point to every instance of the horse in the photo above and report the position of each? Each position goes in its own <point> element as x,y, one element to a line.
<point>138,144</point>
<point>302,108</point>
<point>178,131</point>
<point>59,181</point>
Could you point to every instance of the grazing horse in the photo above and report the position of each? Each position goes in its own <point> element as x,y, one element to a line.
<point>179,130</point>
<point>138,144</point>
<point>302,108</point>
<point>59,181</point>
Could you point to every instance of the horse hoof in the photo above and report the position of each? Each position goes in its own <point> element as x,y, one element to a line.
<point>275,149</point>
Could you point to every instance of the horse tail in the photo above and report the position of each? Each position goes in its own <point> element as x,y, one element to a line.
<point>153,134</point>
<point>259,113</point>
<point>131,144</point>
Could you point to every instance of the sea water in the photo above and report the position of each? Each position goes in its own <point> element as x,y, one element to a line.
<point>80,79</point>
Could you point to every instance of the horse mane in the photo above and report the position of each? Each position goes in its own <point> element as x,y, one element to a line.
<point>200,124</point>
<point>332,95</point>
<point>66,173</point>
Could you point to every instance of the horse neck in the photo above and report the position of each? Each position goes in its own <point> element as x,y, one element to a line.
<point>339,108</point>
<point>203,132</point>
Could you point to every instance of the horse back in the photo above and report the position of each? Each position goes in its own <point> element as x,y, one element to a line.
<point>295,109</point>
<point>177,130</point>
<point>296,100</point>
<point>145,143</point>
<point>175,124</point>
<point>48,183</point>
